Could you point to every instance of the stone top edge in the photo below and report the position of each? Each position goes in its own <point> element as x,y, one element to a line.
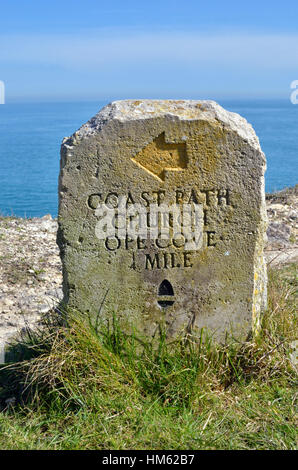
<point>131,110</point>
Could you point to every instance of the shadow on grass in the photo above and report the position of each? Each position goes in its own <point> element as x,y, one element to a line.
<point>25,347</point>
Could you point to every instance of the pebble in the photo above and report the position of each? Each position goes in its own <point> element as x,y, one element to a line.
<point>44,308</point>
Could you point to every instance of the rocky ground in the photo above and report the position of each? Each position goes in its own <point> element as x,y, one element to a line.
<point>30,272</point>
<point>30,267</point>
<point>282,211</point>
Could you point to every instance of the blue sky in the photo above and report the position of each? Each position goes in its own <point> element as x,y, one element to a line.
<point>93,49</point>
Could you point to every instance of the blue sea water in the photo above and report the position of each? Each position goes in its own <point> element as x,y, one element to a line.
<point>31,135</point>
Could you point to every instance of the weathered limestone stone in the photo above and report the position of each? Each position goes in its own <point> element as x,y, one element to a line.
<point>166,153</point>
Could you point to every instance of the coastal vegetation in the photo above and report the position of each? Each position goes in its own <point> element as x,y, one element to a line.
<point>81,385</point>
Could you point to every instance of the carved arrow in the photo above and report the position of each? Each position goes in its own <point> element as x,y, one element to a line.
<point>159,156</point>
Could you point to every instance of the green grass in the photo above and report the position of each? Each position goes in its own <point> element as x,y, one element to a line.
<point>94,387</point>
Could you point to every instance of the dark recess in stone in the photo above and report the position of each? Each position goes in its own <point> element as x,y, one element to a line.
<point>165,289</point>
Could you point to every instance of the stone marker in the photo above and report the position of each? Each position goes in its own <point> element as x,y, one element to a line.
<point>132,176</point>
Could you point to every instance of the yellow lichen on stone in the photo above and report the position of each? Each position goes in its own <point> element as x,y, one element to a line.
<point>159,156</point>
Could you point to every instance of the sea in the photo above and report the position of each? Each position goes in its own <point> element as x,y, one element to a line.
<point>31,135</point>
